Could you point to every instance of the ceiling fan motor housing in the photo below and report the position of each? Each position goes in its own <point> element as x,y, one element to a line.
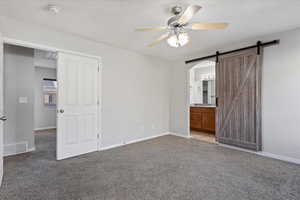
<point>173,21</point>
<point>177,30</point>
<point>176,10</point>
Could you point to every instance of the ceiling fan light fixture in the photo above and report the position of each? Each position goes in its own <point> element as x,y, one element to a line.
<point>179,24</point>
<point>178,40</point>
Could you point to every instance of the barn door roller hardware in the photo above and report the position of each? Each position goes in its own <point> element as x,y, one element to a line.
<point>258,45</point>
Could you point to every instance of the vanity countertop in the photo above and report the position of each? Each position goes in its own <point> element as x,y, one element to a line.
<point>203,105</point>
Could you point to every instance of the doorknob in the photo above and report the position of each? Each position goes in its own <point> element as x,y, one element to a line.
<point>61,111</point>
<point>3,118</point>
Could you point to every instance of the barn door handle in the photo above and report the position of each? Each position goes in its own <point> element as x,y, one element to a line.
<point>3,118</point>
<point>217,101</point>
<point>61,110</point>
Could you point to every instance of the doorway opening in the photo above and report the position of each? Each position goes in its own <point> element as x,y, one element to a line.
<point>202,101</point>
<point>30,94</point>
<point>78,100</point>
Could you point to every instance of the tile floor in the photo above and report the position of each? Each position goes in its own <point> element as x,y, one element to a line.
<point>206,137</point>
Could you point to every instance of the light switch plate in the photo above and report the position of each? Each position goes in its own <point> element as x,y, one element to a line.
<point>23,100</point>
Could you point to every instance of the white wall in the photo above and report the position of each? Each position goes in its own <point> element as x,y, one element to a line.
<point>44,116</point>
<point>135,88</point>
<point>280,93</point>
<point>281,96</point>
<point>18,83</point>
<point>41,60</point>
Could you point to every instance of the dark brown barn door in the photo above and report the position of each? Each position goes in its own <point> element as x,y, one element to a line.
<point>239,99</point>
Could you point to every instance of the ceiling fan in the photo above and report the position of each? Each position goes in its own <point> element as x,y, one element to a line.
<point>178,25</point>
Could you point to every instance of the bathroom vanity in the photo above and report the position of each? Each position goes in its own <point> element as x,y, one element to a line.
<point>202,118</point>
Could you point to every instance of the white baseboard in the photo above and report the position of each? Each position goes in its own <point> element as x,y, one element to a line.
<point>180,135</point>
<point>279,157</point>
<point>31,149</point>
<point>44,128</point>
<point>265,154</point>
<point>236,148</point>
<point>262,153</point>
<point>111,146</point>
<point>133,141</point>
<point>17,148</point>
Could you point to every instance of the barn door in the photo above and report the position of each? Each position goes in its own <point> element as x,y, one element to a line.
<point>239,99</point>
<point>77,118</point>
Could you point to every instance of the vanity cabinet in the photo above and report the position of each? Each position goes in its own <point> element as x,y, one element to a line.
<point>203,119</point>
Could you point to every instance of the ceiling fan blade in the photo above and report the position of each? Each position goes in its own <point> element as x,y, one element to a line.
<point>210,26</point>
<point>152,28</point>
<point>188,14</point>
<point>161,38</point>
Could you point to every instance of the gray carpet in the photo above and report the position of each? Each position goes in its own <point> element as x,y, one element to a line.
<point>168,167</point>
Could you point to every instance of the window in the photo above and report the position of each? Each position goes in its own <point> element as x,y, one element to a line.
<point>49,87</point>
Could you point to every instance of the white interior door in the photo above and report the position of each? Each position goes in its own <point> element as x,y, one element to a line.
<point>77,116</point>
<point>1,109</point>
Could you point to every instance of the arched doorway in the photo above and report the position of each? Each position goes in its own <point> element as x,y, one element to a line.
<point>202,101</point>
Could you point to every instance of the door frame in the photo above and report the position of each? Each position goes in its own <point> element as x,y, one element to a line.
<point>188,96</point>
<point>2,107</point>
<point>27,44</point>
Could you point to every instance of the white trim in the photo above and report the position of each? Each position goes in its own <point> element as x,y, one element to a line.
<point>179,135</point>
<point>44,128</point>
<point>9,152</point>
<point>111,146</point>
<point>23,43</point>
<point>1,107</point>
<point>264,154</point>
<point>99,105</point>
<point>28,44</point>
<point>188,100</point>
<point>261,153</point>
<point>236,148</point>
<point>134,141</point>
<point>279,157</point>
<point>31,149</point>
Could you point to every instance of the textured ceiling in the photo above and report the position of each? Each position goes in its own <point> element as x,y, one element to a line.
<point>113,21</point>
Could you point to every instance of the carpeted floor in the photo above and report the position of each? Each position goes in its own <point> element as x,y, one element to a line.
<point>168,167</point>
